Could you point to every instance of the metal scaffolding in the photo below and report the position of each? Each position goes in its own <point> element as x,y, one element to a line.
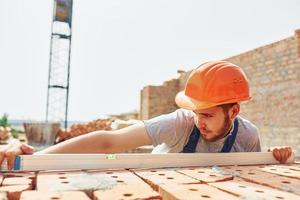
<point>59,63</point>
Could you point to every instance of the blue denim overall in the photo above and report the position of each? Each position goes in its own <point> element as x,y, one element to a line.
<point>190,147</point>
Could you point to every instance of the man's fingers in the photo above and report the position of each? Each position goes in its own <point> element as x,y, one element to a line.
<point>11,156</point>
<point>284,155</point>
<point>290,151</point>
<point>287,152</point>
<point>26,149</point>
<point>10,153</point>
<point>276,154</point>
<point>2,156</point>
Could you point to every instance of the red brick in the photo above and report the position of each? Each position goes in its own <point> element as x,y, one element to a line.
<point>122,185</point>
<point>193,191</point>
<point>3,196</point>
<point>156,177</point>
<point>41,195</point>
<point>14,191</point>
<point>256,174</point>
<point>21,178</point>
<point>124,191</point>
<point>59,181</point>
<point>252,191</point>
<point>206,174</point>
<point>1,179</point>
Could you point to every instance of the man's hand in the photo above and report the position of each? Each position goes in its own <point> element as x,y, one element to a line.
<point>10,154</point>
<point>281,153</point>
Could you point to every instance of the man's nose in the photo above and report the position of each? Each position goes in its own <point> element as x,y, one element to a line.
<point>201,123</point>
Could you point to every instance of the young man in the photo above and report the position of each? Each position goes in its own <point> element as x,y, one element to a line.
<point>208,121</point>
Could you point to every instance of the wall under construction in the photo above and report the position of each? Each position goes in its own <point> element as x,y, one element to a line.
<point>274,74</point>
<point>156,100</point>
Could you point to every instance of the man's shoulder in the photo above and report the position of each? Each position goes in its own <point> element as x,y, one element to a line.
<point>248,136</point>
<point>185,113</point>
<point>183,117</point>
<point>247,128</point>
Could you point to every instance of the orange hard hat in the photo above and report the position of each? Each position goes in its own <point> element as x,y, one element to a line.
<point>214,83</point>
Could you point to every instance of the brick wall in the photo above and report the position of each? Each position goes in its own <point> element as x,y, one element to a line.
<point>156,100</point>
<point>274,74</point>
<point>144,103</point>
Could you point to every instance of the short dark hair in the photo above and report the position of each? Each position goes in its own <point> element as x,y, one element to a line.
<point>227,106</point>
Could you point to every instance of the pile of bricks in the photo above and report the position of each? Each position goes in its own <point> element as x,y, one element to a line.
<point>228,182</point>
<point>80,129</point>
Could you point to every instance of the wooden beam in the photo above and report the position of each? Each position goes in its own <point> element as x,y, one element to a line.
<point>122,161</point>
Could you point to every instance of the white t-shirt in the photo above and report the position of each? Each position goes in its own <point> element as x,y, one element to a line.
<point>170,133</point>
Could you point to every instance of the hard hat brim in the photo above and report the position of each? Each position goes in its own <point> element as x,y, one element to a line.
<point>189,103</point>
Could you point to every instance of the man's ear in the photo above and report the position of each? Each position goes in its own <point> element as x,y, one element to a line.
<point>234,111</point>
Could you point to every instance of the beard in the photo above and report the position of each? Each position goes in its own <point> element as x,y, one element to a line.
<point>224,130</point>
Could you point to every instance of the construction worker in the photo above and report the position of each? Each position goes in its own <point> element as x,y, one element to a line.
<point>208,121</point>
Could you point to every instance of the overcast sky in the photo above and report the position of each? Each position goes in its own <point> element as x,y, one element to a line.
<point>120,46</point>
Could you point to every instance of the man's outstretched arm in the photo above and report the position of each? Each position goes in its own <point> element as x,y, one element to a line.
<point>95,142</point>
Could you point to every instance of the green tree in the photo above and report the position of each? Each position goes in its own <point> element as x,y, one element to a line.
<point>4,120</point>
<point>4,123</point>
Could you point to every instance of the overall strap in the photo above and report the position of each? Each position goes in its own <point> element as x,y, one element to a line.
<point>190,147</point>
<point>231,138</point>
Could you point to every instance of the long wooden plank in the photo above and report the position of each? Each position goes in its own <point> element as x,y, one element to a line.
<point>105,161</point>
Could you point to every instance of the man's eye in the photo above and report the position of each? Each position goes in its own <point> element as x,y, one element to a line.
<point>203,114</point>
<point>206,115</point>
